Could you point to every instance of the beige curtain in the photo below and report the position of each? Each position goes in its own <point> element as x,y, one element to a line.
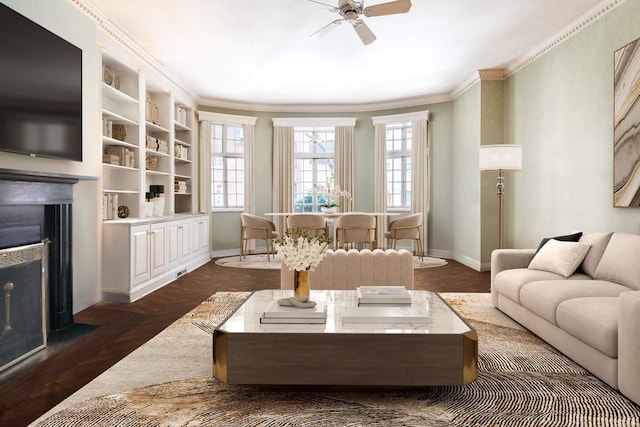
<point>344,164</point>
<point>420,175</point>
<point>249,204</point>
<point>380,177</point>
<point>282,173</point>
<point>205,166</point>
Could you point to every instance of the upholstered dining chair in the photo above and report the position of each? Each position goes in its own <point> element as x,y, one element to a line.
<point>258,228</point>
<point>313,225</point>
<point>355,230</point>
<point>407,227</point>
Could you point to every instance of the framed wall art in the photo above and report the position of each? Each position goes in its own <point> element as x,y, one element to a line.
<point>626,126</point>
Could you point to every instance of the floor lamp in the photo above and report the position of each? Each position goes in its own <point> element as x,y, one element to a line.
<point>500,157</point>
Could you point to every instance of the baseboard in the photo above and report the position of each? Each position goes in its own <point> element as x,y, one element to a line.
<point>236,252</point>
<point>469,262</point>
<point>440,253</point>
<point>155,283</point>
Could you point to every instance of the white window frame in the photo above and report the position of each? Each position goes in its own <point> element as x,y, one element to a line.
<point>225,156</point>
<point>405,155</point>
<point>315,157</point>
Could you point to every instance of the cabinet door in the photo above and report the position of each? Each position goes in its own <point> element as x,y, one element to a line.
<point>140,254</point>
<point>158,248</point>
<point>203,232</point>
<point>185,237</point>
<point>195,237</point>
<point>174,242</point>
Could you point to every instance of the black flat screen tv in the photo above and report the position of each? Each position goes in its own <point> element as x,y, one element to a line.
<point>40,90</point>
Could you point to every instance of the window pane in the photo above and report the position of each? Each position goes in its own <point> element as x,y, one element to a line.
<point>227,166</point>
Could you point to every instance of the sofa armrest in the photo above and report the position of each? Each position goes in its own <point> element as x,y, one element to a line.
<point>506,259</point>
<point>629,345</point>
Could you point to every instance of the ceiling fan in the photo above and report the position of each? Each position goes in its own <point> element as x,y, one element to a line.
<point>351,12</point>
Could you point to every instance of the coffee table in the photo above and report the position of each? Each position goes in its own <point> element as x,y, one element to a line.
<point>443,351</point>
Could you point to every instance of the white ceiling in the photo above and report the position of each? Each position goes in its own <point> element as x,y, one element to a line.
<point>259,52</point>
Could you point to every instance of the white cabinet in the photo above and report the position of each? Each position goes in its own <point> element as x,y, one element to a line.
<point>140,267</point>
<point>158,244</point>
<point>142,255</point>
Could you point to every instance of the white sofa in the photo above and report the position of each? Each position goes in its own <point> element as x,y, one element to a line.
<point>592,316</point>
<point>342,269</point>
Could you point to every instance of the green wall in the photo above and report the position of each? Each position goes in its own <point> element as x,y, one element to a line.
<point>226,225</point>
<point>465,176</point>
<point>559,108</point>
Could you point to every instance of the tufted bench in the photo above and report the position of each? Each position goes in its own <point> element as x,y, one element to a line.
<point>342,269</point>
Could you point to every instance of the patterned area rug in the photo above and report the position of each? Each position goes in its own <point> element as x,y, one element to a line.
<point>261,262</point>
<point>522,382</point>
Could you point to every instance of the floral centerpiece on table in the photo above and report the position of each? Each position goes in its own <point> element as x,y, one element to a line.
<point>331,193</point>
<point>302,254</point>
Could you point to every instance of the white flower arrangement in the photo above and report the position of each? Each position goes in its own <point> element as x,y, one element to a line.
<point>331,193</point>
<point>303,253</point>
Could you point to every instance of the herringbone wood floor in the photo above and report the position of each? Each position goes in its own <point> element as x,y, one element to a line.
<point>124,327</point>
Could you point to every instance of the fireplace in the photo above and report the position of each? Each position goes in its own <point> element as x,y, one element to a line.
<point>36,208</point>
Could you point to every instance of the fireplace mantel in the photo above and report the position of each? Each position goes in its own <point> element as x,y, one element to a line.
<point>21,192</point>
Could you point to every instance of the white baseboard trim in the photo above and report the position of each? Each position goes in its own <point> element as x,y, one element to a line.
<point>225,252</point>
<point>469,262</point>
<point>440,253</point>
<point>155,283</point>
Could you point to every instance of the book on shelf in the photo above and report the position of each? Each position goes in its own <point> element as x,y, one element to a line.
<point>384,314</point>
<point>383,295</point>
<point>276,310</point>
<point>293,320</point>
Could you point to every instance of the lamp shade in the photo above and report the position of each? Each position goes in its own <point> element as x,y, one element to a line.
<point>500,156</point>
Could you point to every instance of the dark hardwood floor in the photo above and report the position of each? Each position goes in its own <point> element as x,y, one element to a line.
<point>124,327</point>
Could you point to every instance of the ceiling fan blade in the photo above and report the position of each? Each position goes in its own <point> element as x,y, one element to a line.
<point>390,8</point>
<point>364,32</point>
<point>322,31</point>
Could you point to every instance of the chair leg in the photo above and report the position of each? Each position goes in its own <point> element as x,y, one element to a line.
<point>420,249</point>
<point>241,244</point>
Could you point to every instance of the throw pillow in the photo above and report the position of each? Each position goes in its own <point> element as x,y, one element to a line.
<point>598,242</point>
<point>560,257</point>
<point>566,238</point>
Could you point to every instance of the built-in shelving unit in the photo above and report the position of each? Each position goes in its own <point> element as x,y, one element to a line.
<point>147,140</point>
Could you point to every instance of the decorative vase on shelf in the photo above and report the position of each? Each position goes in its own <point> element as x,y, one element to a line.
<point>301,284</point>
<point>329,210</point>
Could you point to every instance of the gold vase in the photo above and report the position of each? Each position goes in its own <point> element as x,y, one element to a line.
<point>301,284</point>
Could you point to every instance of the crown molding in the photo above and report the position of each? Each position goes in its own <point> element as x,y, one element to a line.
<point>120,37</point>
<point>327,108</point>
<point>492,74</point>
<point>465,85</point>
<point>585,20</point>
<point>129,44</point>
<point>406,117</point>
<point>314,121</point>
<point>226,118</point>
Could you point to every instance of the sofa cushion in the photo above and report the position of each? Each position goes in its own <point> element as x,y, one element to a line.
<point>598,242</point>
<point>593,321</point>
<point>559,257</point>
<point>509,282</point>
<point>620,261</point>
<point>574,237</point>
<point>543,298</point>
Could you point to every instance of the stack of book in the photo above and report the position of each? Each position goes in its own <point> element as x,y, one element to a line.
<point>383,295</point>
<point>180,186</point>
<point>276,313</point>
<point>414,314</point>
<point>157,144</point>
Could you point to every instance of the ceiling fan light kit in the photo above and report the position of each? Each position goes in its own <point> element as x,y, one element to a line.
<point>351,12</point>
